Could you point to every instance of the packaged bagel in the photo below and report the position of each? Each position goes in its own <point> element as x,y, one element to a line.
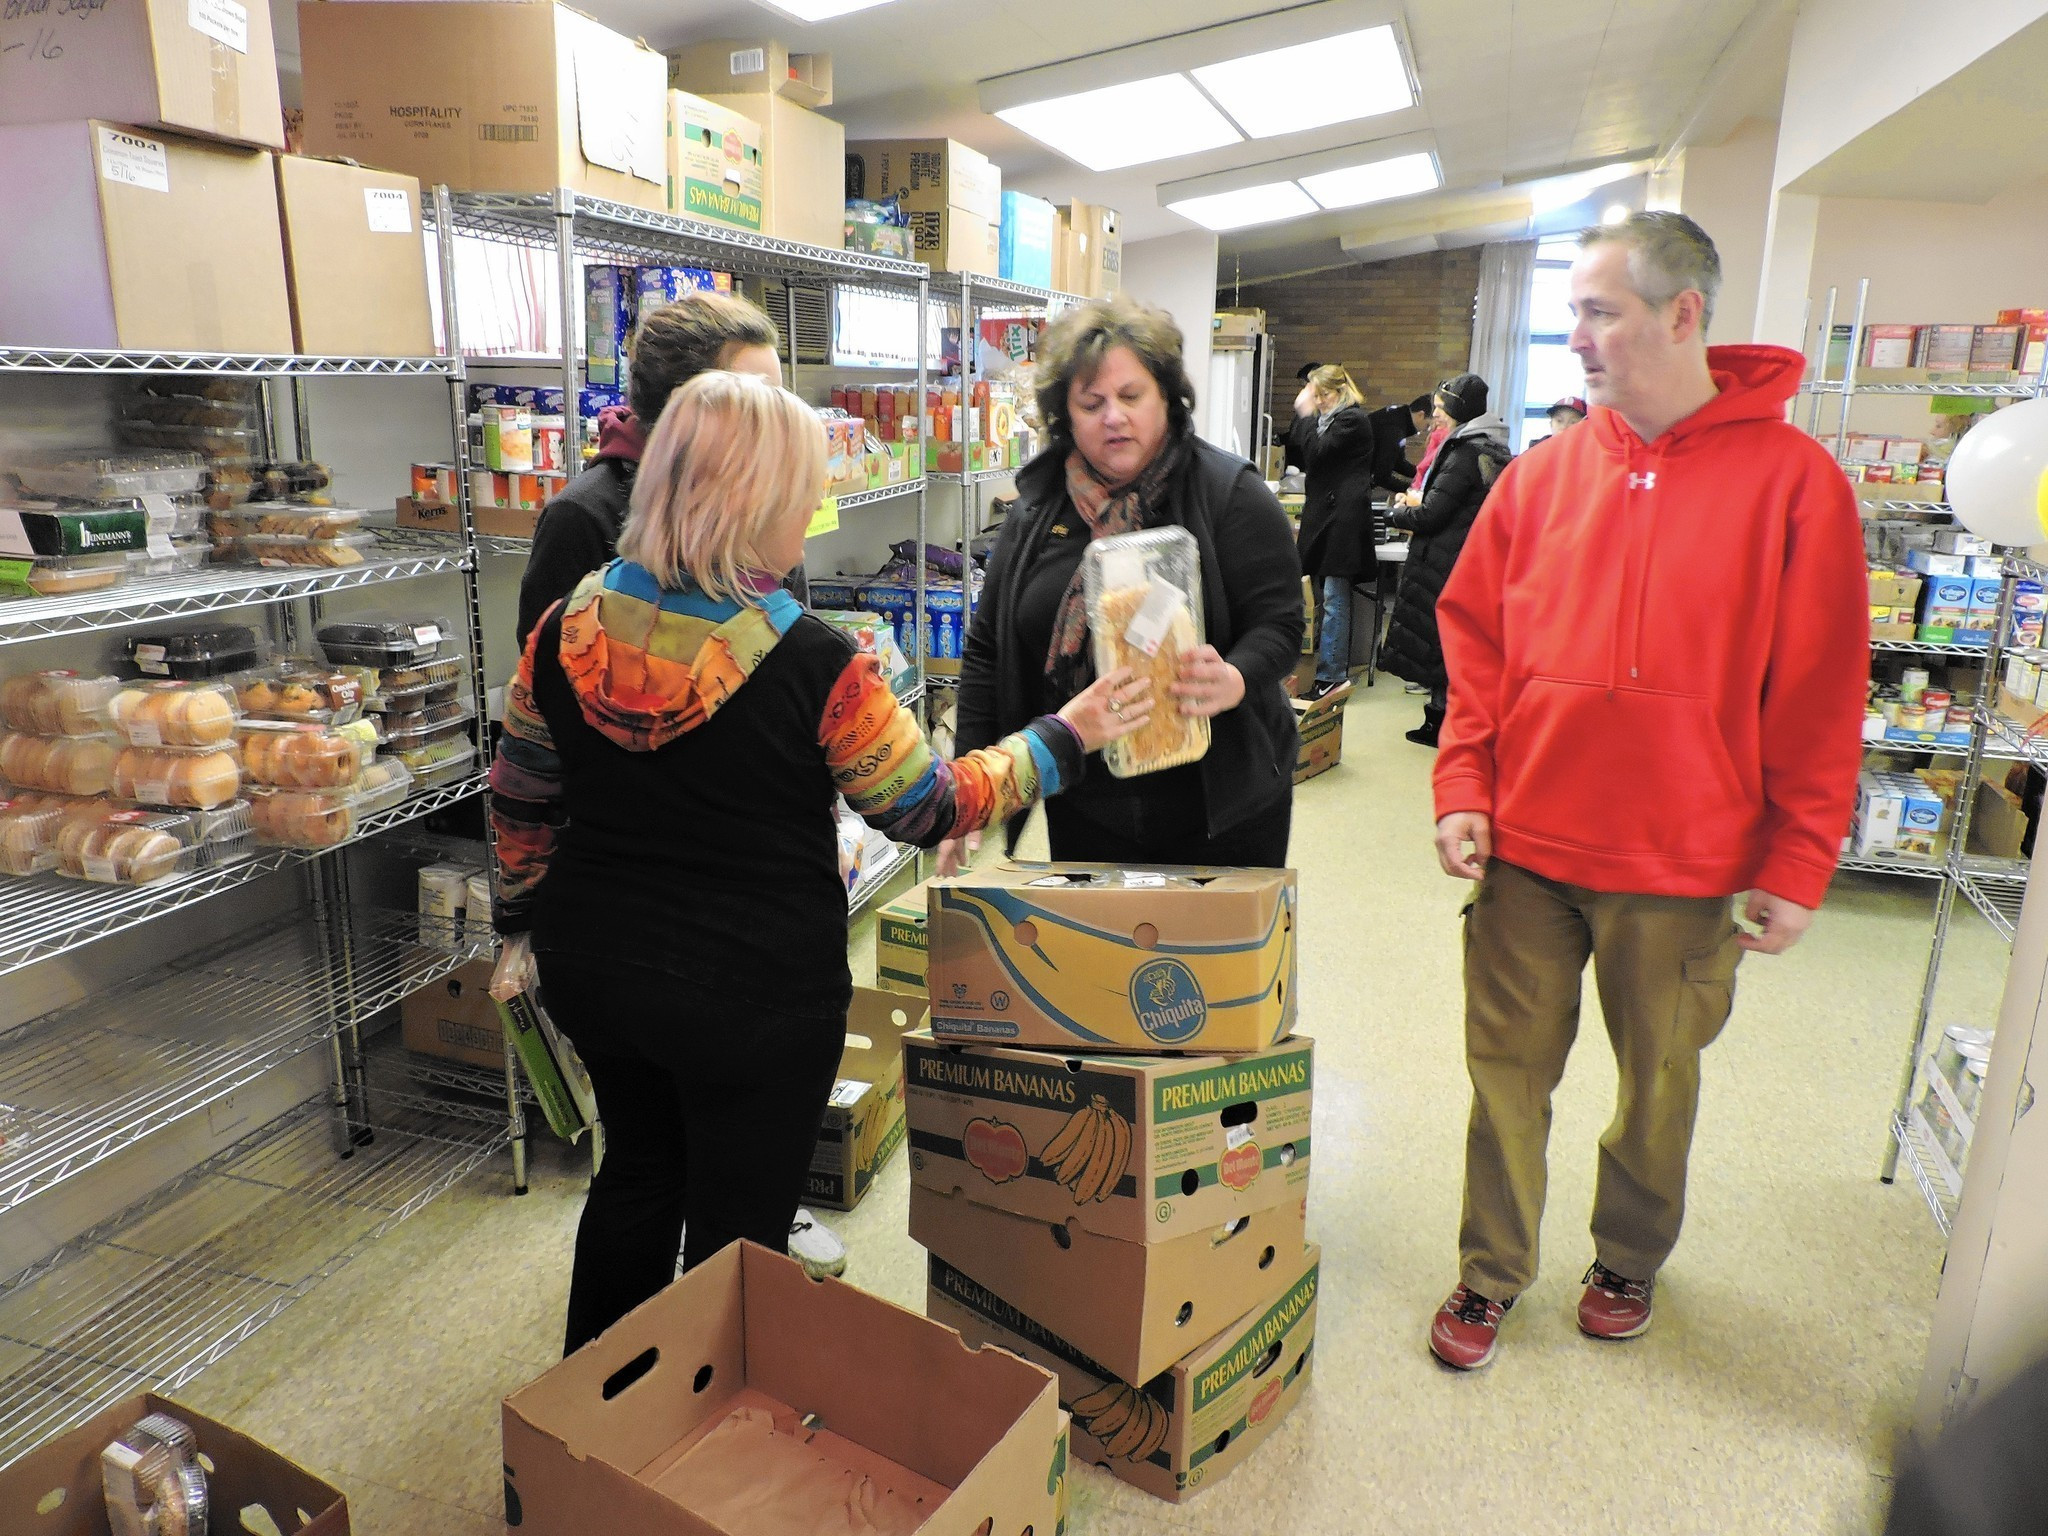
<point>300,690</point>
<point>302,818</point>
<point>385,783</point>
<point>29,824</point>
<point>287,754</point>
<point>1144,596</point>
<point>61,765</point>
<point>197,779</point>
<point>56,703</point>
<point>172,713</point>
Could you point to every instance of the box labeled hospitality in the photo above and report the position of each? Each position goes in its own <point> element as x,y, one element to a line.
<point>1136,1307</point>
<point>717,169</point>
<point>903,940</point>
<point>1190,1425</point>
<point>746,1397</point>
<point>1143,1149</point>
<point>1093,957</point>
<point>863,1123</point>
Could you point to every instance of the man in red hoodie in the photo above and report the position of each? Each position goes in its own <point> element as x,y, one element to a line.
<point>1658,651</point>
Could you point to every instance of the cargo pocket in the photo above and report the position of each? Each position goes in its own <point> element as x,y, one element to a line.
<point>1707,995</point>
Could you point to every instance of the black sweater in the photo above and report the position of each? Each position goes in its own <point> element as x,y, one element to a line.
<point>578,531</point>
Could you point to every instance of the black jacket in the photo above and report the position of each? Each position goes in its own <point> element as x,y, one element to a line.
<point>1336,512</point>
<point>1463,471</point>
<point>1392,426</point>
<point>1251,612</point>
<point>578,531</point>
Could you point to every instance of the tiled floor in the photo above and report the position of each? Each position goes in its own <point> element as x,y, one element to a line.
<point>1791,1321</point>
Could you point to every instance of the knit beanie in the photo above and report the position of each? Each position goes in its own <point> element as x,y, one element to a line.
<point>1464,397</point>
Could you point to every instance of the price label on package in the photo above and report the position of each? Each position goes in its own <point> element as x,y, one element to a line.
<point>1150,625</point>
<point>426,634</point>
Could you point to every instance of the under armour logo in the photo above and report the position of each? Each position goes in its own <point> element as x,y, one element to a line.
<point>1643,482</point>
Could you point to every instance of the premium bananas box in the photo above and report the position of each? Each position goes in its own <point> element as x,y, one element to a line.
<point>863,1124</point>
<point>1194,1422</point>
<point>1141,1148</point>
<point>902,940</point>
<point>1136,1307</point>
<point>1091,957</point>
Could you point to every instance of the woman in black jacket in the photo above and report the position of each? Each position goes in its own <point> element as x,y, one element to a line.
<point>1114,395</point>
<point>1440,511</point>
<point>1332,442</point>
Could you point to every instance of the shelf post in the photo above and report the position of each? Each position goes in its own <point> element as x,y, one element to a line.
<point>1849,366</point>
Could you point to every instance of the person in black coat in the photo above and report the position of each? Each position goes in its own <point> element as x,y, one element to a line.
<point>1331,441</point>
<point>1440,512</point>
<point>1392,426</point>
<point>1114,395</point>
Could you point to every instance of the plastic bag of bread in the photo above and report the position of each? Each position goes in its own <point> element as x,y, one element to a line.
<point>126,847</point>
<point>1144,595</point>
<point>63,765</point>
<point>292,755</point>
<point>302,818</point>
<point>173,714</point>
<point>195,779</point>
<point>56,703</point>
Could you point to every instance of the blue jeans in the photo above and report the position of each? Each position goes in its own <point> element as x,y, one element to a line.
<point>1333,657</point>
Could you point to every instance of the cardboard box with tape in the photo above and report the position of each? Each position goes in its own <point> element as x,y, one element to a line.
<point>746,1397</point>
<point>1143,1149</point>
<point>903,940</point>
<point>1088,258</point>
<point>804,175</point>
<point>953,195</point>
<point>863,1123</point>
<point>760,67</point>
<point>1189,1426</point>
<point>717,166</point>
<point>1086,956</point>
<point>455,1018</point>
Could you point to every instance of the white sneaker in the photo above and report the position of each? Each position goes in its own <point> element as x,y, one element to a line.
<point>813,1245</point>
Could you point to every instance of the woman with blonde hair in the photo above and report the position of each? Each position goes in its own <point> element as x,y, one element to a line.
<point>1332,441</point>
<point>675,741</point>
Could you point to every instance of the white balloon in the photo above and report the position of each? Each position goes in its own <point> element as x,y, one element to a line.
<point>1995,476</point>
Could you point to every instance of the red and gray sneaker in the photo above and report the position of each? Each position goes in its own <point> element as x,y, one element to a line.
<point>1614,1306</point>
<point>1467,1328</point>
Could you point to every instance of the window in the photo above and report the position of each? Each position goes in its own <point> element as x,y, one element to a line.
<point>1552,371</point>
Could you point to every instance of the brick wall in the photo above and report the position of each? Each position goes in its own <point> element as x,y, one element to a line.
<point>1401,326</point>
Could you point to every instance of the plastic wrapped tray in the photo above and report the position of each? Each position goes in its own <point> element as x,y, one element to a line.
<point>421,727</point>
<point>300,690</point>
<point>167,410</point>
<point>286,549</point>
<point>289,755</point>
<point>240,444</point>
<point>170,557</point>
<point>303,818</point>
<point>386,640</point>
<point>385,782</point>
<point>56,703</point>
<point>197,779</point>
<point>61,575</point>
<point>128,847</point>
<point>61,765</point>
<point>173,713</point>
<point>108,477</point>
<point>1144,595</point>
<point>283,518</point>
<point>195,652</point>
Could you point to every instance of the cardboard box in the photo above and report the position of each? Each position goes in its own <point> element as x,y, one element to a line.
<point>863,1123</point>
<point>717,163</point>
<point>354,261</point>
<point>163,244</point>
<point>1092,957</point>
<point>748,1398</point>
<point>455,1018</point>
<point>1998,826</point>
<point>804,177</point>
<point>925,175</point>
<point>1091,258</point>
<point>1923,815</point>
<point>1894,589</point>
<point>1321,724</point>
<point>1878,809</point>
<point>1136,1307</point>
<point>763,68</point>
<point>1892,624</point>
<point>1172,1145</point>
<point>1927,562</point>
<point>245,1475</point>
<point>1030,225</point>
<point>1996,348</point>
<point>486,96</point>
<point>1209,1410</point>
<point>903,940</point>
<point>203,67</point>
<point>611,308</point>
<point>1946,348</point>
<point>1890,346</point>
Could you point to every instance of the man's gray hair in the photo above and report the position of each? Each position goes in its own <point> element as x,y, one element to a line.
<point>1667,254</point>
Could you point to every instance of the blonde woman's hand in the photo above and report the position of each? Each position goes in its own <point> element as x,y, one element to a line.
<point>1113,706</point>
<point>1208,685</point>
<point>515,972</point>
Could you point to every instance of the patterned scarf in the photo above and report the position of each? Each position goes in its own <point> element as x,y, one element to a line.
<point>1107,510</point>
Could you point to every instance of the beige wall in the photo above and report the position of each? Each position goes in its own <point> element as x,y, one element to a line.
<point>1727,190</point>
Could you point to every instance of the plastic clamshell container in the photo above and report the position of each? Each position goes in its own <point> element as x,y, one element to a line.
<point>198,778</point>
<point>227,833</point>
<point>128,847</point>
<point>421,727</point>
<point>169,559</point>
<point>290,549</point>
<point>302,818</point>
<point>386,640</point>
<point>56,703</point>
<point>192,411</point>
<point>300,690</point>
<point>385,782</point>
<point>287,754</point>
<point>28,833</point>
<point>61,575</point>
<point>401,690</point>
<point>60,765</point>
<point>441,763</point>
<point>229,485</point>
<point>302,478</point>
<point>195,652</point>
<point>283,518</point>
<point>243,443</point>
<point>108,477</point>
<point>1144,596</point>
<point>173,713</point>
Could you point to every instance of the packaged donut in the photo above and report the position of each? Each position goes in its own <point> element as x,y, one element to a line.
<point>287,754</point>
<point>126,847</point>
<point>302,818</point>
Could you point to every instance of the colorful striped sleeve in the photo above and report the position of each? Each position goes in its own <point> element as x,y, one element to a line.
<point>895,782</point>
<point>527,812</point>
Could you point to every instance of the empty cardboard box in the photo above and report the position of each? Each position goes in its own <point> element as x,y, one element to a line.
<point>717,167</point>
<point>204,67</point>
<point>764,68</point>
<point>903,940</point>
<point>1143,1149</point>
<point>1321,723</point>
<point>455,1018</point>
<point>1136,1307</point>
<point>746,1398</point>
<point>1189,1426</point>
<point>355,262</point>
<point>162,243</point>
<point>804,197</point>
<point>863,1122</point>
<point>486,96</point>
<point>1089,259</point>
<point>1091,957</point>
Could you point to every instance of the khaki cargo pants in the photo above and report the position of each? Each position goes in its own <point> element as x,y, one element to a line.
<point>1665,967</point>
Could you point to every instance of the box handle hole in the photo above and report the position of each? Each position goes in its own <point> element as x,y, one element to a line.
<point>1222,1443</point>
<point>1225,1234</point>
<point>50,1502</point>
<point>1026,934</point>
<point>1145,936</point>
<point>1288,1155</point>
<point>1268,1360</point>
<point>1266,1259</point>
<point>1185,1315</point>
<point>1063,1237</point>
<point>1240,1114</point>
<point>630,1372</point>
<point>1190,1182</point>
<point>702,1379</point>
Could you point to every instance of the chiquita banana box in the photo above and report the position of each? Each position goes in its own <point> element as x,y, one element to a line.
<point>1189,1426</point>
<point>1141,1148</point>
<point>1091,957</point>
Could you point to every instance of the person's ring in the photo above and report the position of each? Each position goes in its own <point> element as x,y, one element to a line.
<point>1116,706</point>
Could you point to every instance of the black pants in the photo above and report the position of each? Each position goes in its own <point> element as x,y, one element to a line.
<point>1260,843</point>
<point>711,1110</point>
<point>1439,701</point>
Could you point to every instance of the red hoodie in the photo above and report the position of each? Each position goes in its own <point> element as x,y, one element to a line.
<point>1658,652</point>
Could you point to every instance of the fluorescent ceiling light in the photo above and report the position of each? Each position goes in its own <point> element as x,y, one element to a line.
<point>1128,124</point>
<point>1354,185</point>
<point>820,10</point>
<point>1617,213</point>
<point>1266,204</point>
<point>1563,191</point>
<point>1331,80</point>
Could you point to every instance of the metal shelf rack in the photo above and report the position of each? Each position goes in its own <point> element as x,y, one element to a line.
<point>1924,1160</point>
<point>872,881</point>
<point>248,365</point>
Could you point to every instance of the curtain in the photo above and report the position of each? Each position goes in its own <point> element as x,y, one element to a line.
<point>1500,328</point>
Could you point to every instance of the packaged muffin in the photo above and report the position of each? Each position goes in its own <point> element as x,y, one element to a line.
<point>386,640</point>
<point>285,519</point>
<point>62,765</point>
<point>419,727</point>
<point>291,755</point>
<point>1144,596</point>
<point>198,779</point>
<point>108,477</point>
<point>441,763</point>
<point>126,847</point>
<point>192,653</point>
<point>192,410</point>
<point>56,703</point>
<point>302,818</point>
<point>385,783</point>
<point>172,713</point>
<point>300,690</point>
<point>402,690</point>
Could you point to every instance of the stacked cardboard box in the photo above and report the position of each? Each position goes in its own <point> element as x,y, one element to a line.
<point>776,93</point>
<point>953,195</point>
<point>1134,1222</point>
<point>863,1123</point>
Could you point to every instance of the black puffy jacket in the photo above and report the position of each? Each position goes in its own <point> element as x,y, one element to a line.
<point>1463,471</point>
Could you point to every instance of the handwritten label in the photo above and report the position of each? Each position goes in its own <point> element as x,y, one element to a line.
<point>390,210</point>
<point>133,161</point>
<point>225,21</point>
